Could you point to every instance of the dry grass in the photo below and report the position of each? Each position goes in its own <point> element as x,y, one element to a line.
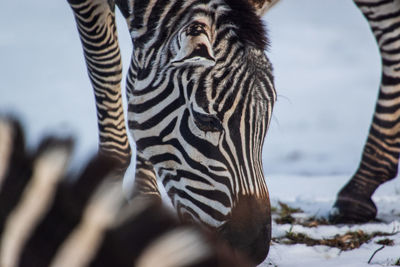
<point>348,241</point>
<point>314,222</point>
<point>284,215</point>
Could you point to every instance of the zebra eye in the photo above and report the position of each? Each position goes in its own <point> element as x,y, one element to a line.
<point>194,46</point>
<point>207,123</point>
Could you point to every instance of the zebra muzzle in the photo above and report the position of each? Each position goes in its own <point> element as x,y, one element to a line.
<point>248,229</point>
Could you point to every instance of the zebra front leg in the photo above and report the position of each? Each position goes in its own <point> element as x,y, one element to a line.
<point>381,151</point>
<point>95,20</point>
<point>145,184</point>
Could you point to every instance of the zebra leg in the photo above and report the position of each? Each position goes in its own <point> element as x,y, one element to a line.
<point>96,26</point>
<point>145,184</point>
<point>381,151</point>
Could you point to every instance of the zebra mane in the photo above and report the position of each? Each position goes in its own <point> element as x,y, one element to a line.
<point>251,28</point>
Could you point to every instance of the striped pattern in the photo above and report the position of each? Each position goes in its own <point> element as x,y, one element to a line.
<point>95,20</point>
<point>380,156</point>
<point>49,218</point>
<point>199,117</point>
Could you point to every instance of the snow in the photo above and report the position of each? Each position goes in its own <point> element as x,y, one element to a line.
<point>327,72</point>
<point>315,196</point>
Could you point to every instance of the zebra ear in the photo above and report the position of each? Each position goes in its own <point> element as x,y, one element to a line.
<point>262,6</point>
<point>194,46</point>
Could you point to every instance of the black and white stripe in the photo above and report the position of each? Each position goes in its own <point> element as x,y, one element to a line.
<point>200,102</point>
<point>96,25</point>
<point>200,96</point>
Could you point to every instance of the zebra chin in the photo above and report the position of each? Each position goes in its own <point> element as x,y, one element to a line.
<point>248,228</point>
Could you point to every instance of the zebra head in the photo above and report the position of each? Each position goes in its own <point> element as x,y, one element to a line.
<point>200,93</point>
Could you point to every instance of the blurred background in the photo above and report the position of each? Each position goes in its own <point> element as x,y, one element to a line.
<point>327,70</point>
<point>326,64</point>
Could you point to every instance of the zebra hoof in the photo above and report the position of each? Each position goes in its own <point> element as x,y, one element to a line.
<point>352,210</point>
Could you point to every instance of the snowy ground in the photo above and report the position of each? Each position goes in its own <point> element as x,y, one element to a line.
<point>315,196</point>
<point>327,75</point>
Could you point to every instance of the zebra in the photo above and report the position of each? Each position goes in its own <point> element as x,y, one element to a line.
<point>50,216</point>
<point>200,93</point>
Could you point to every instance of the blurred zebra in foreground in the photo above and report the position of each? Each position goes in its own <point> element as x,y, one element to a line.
<point>51,217</point>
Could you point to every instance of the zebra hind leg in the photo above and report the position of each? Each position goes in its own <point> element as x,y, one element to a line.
<point>381,152</point>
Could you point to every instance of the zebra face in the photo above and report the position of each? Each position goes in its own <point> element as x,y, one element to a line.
<point>200,101</point>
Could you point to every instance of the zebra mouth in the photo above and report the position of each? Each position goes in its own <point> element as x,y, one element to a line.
<point>248,228</point>
<point>254,247</point>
